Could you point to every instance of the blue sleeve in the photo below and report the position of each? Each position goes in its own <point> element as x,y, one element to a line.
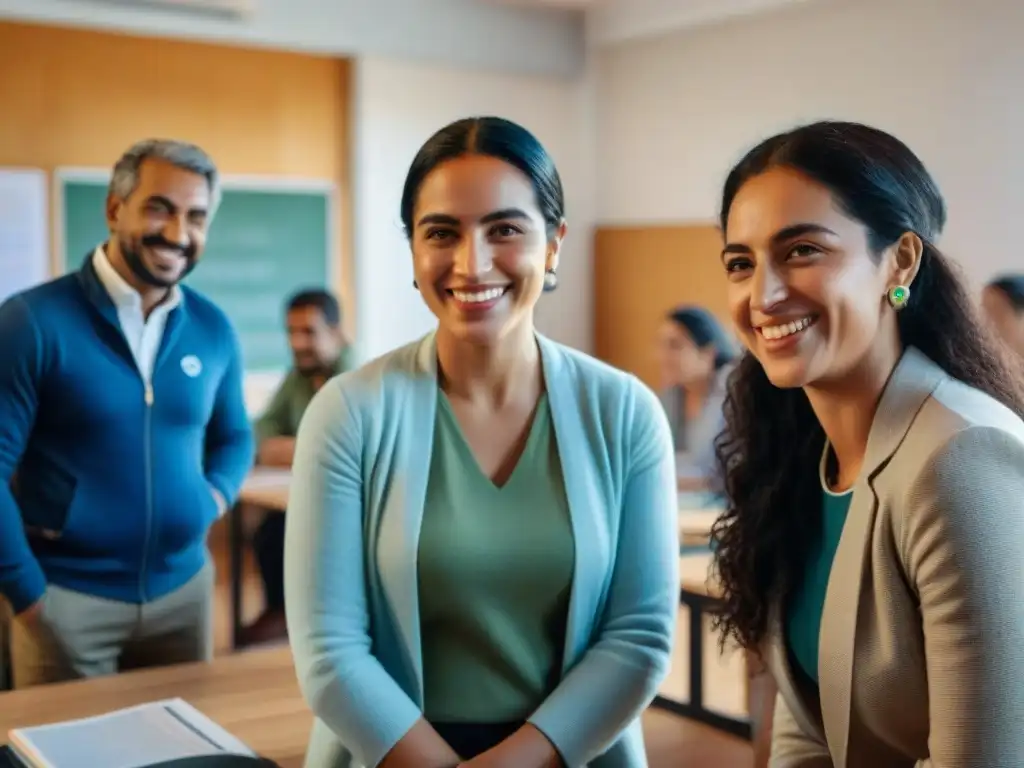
<point>21,362</point>
<point>325,586</point>
<point>229,441</point>
<point>619,675</point>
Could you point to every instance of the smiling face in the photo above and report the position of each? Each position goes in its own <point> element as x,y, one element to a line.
<point>682,362</point>
<point>160,228</point>
<point>316,345</point>
<point>806,293</point>
<point>480,247</point>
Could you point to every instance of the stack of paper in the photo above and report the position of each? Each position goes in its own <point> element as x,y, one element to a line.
<point>128,738</point>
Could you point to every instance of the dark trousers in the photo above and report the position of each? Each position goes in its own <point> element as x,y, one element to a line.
<point>472,739</point>
<point>268,544</point>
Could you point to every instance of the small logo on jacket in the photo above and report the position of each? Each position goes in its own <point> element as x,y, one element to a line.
<point>191,365</point>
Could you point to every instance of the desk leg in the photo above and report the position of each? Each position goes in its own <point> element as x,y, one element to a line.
<point>696,656</point>
<point>236,547</point>
<point>694,708</point>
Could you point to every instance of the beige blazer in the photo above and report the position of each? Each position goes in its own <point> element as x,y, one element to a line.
<point>921,662</point>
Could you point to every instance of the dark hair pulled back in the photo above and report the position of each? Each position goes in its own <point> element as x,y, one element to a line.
<point>491,137</point>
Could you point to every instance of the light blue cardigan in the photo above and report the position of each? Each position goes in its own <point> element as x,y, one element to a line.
<point>359,483</point>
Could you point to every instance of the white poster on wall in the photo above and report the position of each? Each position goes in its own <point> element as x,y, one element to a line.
<point>24,227</point>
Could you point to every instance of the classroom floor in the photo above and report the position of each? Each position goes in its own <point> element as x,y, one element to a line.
<point>672,742</point>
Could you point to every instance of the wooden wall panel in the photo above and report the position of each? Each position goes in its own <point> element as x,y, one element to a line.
<point>78,97</point>
<point>639,275</point>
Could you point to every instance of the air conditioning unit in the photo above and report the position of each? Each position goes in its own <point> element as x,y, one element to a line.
<point>223,8</point>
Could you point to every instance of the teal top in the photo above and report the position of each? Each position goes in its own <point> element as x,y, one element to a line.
<point>803,616</point>
<point>495,573</point>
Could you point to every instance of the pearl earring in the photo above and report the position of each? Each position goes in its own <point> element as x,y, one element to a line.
<point>550,280</point>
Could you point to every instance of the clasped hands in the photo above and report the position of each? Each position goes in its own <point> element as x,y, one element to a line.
<point>526,748</point>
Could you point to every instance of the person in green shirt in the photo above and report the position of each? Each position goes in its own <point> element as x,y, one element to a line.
<point>320,350</point>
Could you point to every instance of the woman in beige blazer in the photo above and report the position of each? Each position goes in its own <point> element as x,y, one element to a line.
<point>873,548</point>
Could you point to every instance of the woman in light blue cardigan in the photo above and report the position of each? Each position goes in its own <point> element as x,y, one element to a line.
<point>481,547</point>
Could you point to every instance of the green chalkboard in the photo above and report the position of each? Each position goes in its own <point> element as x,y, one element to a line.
<point>264,244</point>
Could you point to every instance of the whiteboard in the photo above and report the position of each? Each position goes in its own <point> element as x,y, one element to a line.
<point>24,226</point>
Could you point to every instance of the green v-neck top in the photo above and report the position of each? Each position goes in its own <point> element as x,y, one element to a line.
<point>495,574</point>
<point>803,614</point>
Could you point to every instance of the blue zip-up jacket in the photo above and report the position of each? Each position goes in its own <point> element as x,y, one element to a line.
<point>111,493</point>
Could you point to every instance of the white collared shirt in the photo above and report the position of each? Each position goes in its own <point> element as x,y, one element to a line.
<point>142,334</point>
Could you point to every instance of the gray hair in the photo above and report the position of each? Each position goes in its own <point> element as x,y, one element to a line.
<point>125,177</point>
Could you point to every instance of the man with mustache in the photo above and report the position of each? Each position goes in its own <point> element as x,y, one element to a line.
<point>320,351</point>
<point>121,413</point>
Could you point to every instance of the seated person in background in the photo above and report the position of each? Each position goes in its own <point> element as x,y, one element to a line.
<point>695,355</point>
<point>121,409</point>
<point>320,351</point>
<point>1003,301</point>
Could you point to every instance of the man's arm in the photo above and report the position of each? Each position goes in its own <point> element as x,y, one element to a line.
<point>275,435</point>
<point>276,452</point>
<point>275,432</point>
<point>229,440</point>
<point>21,362</point>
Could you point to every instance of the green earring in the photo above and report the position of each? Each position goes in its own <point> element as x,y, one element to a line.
<point>899,295</point>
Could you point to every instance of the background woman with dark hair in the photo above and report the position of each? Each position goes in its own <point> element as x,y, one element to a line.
<point>873,546</point>
<point>696,355</point>
<point>1003,300</point>
<point>481,549</point>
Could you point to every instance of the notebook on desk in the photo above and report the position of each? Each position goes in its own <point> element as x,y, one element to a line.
<point>137,737</point>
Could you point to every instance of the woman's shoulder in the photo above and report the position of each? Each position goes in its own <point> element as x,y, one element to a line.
<point>956,414</point>
<point>924,411</point>
<point>593,378</point>
<point>950,493</point>
<point>390,368</point>
<point>369,387</point>
<point>962,456</point>
<point>621,403</point>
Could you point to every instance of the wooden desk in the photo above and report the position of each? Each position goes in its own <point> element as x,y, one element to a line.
<point>724,704</point>
<point>266,488</point>
<point>254,695</point>
<point>695,525</point>
<point>695,575</point>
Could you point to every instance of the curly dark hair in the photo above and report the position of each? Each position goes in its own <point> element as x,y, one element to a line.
<point>763,538</point>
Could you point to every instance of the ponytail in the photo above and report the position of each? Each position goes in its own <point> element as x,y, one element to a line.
<point>938,301</point>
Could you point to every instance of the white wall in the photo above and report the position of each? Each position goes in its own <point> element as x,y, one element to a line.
<point>398,105</point>
<point>615,21</point>
<point>459,32</point>
<point>944,75</point>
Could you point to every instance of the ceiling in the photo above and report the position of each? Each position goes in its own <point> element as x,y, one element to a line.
<point>613,21</point>
<point>570,4</point>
